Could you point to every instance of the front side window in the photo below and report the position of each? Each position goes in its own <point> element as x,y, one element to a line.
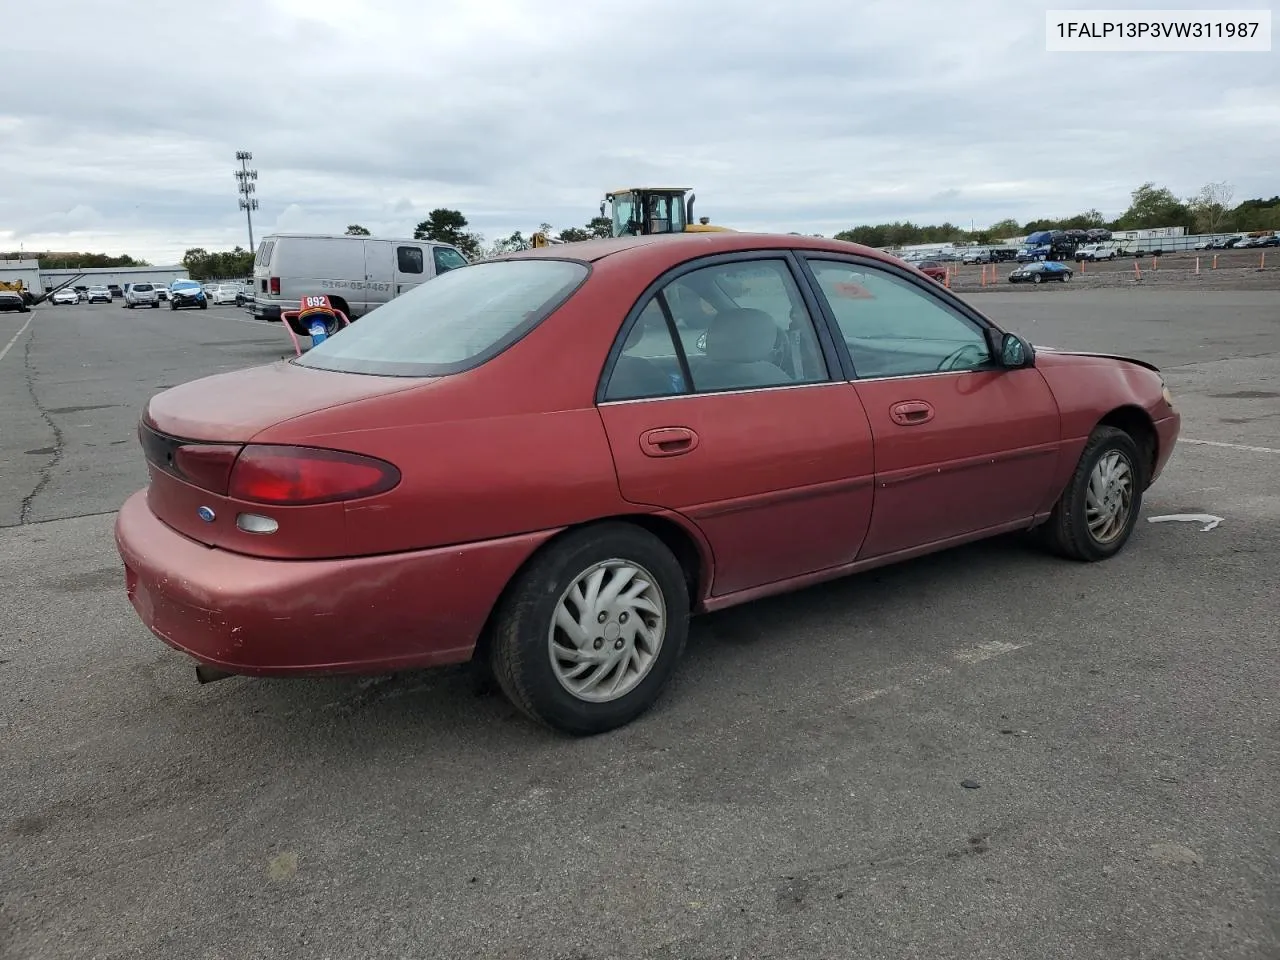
<point>741,325</point>
<point>892,327</point>
<point>452,323</point>
<point>409,259</point>
<point>447,258</point>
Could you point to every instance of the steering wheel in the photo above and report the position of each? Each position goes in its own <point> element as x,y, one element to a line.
<point>952,360</point>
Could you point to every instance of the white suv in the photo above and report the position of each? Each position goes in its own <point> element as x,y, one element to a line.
<point>141,295</point>
<point>1097,251</point>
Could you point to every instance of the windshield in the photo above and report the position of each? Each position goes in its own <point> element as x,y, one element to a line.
<point>452,323</point>
<point>624,213</point>
<point>184,285</point>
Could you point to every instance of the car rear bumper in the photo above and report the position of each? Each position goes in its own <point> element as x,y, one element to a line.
<point>267,311</point>
<point>267,617</point>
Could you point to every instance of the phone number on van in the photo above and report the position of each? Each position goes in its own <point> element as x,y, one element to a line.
<point>354,285</point>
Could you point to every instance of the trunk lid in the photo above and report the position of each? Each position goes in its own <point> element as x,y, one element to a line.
<point>233,407</point>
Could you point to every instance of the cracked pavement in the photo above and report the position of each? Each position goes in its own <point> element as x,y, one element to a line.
<point>796,793</point>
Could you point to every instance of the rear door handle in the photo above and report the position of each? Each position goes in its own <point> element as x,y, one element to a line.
<point>911,412</point>
<point>668,441</point>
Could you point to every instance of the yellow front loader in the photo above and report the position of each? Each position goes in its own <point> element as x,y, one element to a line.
<point>640,211</point>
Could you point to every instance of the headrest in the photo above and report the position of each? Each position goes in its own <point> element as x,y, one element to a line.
<point>741,335</point>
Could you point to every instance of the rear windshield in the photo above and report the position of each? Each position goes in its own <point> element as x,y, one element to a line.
<point>142,287</point>
<point>452,323</point>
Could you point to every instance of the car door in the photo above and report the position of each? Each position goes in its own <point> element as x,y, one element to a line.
<point>962,445</point>
<point>379,273</point>
<point>739,419</point>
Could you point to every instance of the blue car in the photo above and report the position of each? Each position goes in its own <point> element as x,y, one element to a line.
<point>187,293</point>
<point>1041,272</point>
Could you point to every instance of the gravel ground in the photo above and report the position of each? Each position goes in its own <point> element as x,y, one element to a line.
<point>797,793</point>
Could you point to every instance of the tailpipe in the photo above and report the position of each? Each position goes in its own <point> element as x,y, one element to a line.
<point>208,674</point>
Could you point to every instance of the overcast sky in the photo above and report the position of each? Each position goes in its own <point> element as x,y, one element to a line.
<point>120,119</point>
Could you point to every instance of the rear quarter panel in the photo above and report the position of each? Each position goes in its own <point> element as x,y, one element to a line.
<point>513,446</point>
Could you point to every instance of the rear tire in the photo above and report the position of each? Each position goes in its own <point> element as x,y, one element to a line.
<point>544,625</point>
<point>1110,473</point>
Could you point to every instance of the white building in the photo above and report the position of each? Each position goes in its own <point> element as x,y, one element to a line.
<point>26,272</point>
<point>107,276</point>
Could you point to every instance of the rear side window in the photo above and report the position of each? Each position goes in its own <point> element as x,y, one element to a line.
<point>455,322</point>
<point>409,259</point>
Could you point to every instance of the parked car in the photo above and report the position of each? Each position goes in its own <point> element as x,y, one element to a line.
<point>357,274</point>
<point>1097,251</point>
<point>141,295</point>
<point>187,293</point>
<point>301,519</point>
<point>116,292</point>
<point>162,291</point>
<point>13,300</point>
<point>99,295</point>
<point>932,269</point>
<point>64,296</point>
<point>1271,241</point>
<point>1041,272</point>
<point>223,293</point>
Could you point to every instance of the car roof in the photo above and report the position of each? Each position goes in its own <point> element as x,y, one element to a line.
<point>665,250</point>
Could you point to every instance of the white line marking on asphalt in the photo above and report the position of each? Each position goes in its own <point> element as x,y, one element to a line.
<point>1208,519</point>
<point>1233,446</point>
<point>9,346</point>
<point>970,655</point>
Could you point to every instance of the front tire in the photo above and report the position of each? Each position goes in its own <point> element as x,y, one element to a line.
<point>590,632</point>
<point>1099,508</point>
<point>1066,278</point>
<point>204,306</point>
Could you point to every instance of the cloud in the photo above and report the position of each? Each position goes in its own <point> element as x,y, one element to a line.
<point>811,116</point>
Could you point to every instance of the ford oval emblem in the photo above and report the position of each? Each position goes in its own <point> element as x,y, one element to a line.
<point>206,514</point>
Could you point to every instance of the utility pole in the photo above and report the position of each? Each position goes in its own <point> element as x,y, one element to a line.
<point>246,187</point>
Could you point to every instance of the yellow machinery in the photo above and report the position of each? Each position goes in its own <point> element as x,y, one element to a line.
<point>636,211</point>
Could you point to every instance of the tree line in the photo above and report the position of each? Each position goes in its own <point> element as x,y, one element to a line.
<point>52,260</point>
<point>1208,211</point>
<point>203,264</point>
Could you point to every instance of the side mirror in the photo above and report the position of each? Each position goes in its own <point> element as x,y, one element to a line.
<point>1010,350</point>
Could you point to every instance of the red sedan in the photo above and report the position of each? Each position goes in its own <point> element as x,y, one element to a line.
<point>550,460</point>
<point>932,269</point>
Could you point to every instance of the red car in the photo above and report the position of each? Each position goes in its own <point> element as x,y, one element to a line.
<point>548,461</point>
<point>932,269</point>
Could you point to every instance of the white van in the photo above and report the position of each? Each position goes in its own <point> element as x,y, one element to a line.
<point>357,274</point>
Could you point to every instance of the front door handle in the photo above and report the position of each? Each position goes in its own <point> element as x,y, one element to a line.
<point>911,412</point>
<point>668,441</point>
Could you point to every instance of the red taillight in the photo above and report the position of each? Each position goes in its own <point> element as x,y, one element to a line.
<point>275,285</point>
<point>304,475</point>
<point>207,465</point>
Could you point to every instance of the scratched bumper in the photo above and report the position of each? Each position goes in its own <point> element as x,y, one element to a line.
<point>289,617</point>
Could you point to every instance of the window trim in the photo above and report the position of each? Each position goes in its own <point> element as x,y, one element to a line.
<point>827,343</point>
<point>502,345</point>
<point>422,260</point>
<point>929,287</point>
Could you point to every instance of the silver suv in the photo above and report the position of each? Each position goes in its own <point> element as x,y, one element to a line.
<point>141,295</point>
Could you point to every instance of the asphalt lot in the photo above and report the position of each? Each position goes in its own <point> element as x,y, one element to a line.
<point>795,794</point>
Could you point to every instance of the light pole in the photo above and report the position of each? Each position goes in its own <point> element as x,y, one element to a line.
<point>248,203</point>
